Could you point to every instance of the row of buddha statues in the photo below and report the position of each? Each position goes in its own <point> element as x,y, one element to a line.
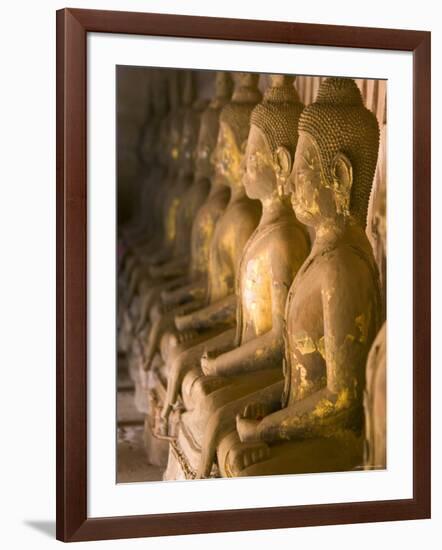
<point>251,302</point>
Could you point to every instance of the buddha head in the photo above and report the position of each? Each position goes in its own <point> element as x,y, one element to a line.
<point>335,158</point>
<point>272,139</point>
<point>380,213</point>
<point>163,142</point>
<point>175,118</point>
<point>193,109</point>
<point>161,108</point>
<point>234,129</point>
<point>209,126</point>
<point>157,106</point>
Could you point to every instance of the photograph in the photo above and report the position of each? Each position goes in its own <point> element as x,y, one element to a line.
<point>251,274</point>
<point>241,205</point>
<point>221,277</point>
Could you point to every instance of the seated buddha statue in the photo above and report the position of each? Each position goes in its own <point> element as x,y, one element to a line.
<point>138,250</point>
<point>192,291</point>
<point>375,396</point>
<point>176,219</point>
<point>193,281</point>
<point>227,243</point>
<point>155,160</point>
<point>269,263</point>
<point>164,203</point>
<point>333,308</point>
<point>167,197</point>
<point>183,198</point>
<point>151,166</point>
<point>135,221</point>
<point>170,269</point>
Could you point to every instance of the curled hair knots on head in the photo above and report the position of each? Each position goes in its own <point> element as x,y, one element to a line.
<point>236,114</point>
<point>278,114</point>
<point>338,122</point>
<point>223,89</point>
<point>222,95</point>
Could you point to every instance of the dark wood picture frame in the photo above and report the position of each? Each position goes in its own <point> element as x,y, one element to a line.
<point>73,523</point>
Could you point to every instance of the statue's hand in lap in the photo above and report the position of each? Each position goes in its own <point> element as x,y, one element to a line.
<point>247,429</point>
<point>256,410</point>
<point>183,337</point>
<point>246,454</point>
<point>248,422</point>
<point>181,322</point>
<point>208,364</point>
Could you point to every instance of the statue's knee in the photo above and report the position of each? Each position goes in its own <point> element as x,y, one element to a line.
<point>234,460</point>
<point>205,386</point>
<point>209,404</point>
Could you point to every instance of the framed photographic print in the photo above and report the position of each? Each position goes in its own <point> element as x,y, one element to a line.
<point>241,207</point>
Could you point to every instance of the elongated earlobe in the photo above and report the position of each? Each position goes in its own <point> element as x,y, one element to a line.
<point>342,172</point>
<point>284,161</point>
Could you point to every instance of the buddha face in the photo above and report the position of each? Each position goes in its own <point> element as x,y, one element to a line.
<point>187,147</point>
<point>204,150</point>
<point>174,141</point>
<point>147,149</point>
<point>162,143</point>
<point>380,215</point>
<point>260,177</point>
<point>227,156</point>
<point>314,199</point>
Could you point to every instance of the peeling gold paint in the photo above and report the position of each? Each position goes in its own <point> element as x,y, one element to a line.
<point>323,408</point>
<point>171,220</point>
<point>228,155</point>
<point>321,346</point>
<point>362,323</point>
<point>256,295</point>
<point>305,345</point>
<point>343,401</point>
<point>327,295</point>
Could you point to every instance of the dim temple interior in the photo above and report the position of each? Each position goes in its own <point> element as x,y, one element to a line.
<point>251,318</point>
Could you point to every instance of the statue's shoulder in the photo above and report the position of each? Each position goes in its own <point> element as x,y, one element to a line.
<point>245,211</point>
<point>219,201</point>
<point>348,266</point>
<point>295,233</point>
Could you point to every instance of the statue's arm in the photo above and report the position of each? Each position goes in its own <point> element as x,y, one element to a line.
<point>140,249</point>
<point>342,306</point>
<point>195,290</point>
<point>159,323</point>
<point>265,350</point>
<point>263,402</point>
<point>174,268</point>
<point>221,312</point>
<point>160,256</point>
<point>302,419</point>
